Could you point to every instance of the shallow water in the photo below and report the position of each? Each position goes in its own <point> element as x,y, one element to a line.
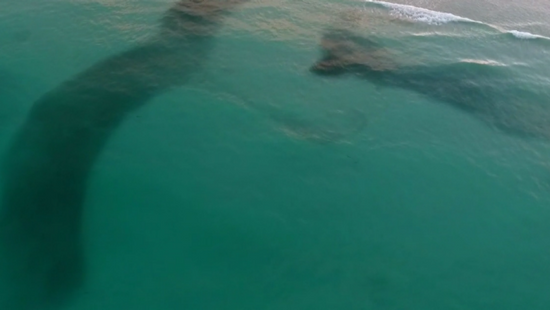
<point>258,185</point>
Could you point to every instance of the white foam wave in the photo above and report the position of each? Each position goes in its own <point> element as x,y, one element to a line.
<point>525,35</point>
<point>487,62</point>
<point>420,14</point>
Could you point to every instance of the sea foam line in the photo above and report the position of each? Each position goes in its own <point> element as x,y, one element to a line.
<point>420,14</point>
<point>526,35</point>
<point>427,16</point>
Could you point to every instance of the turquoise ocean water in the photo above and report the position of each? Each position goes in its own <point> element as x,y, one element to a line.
<point>259,185</point>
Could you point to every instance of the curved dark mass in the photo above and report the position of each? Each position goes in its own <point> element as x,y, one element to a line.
<point>485,90</point>
<point>47,166</point>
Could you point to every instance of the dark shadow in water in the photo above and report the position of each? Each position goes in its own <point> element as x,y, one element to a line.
<point>483,89</point>
<point>48,164</point>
